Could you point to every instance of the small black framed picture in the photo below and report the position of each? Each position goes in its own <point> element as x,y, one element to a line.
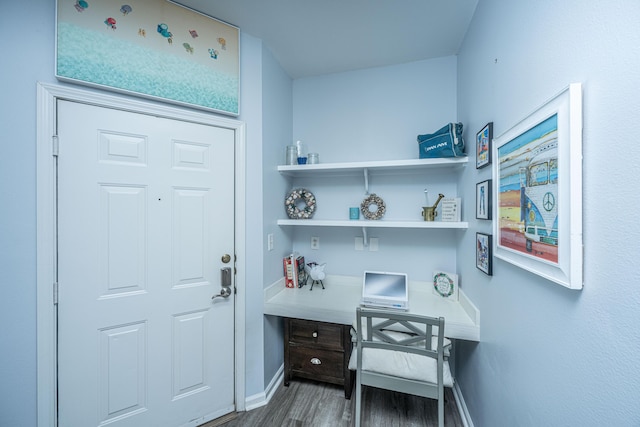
<point>484,256</point>
<point>483,200</point>
<point>483,146</point>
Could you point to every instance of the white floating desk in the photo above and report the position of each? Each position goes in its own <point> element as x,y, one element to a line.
<point>338,301</point>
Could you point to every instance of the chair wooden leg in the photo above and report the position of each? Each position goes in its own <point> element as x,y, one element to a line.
<point>358,398</point>
<point>441,407</point>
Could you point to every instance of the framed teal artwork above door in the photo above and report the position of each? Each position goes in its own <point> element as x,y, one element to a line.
<point>150,48</point>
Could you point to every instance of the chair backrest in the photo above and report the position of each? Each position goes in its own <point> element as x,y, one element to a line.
<point>400,331</point>
<point>421,334</point>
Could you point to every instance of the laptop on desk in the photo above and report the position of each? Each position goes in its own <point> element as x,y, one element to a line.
<point>385,290</point>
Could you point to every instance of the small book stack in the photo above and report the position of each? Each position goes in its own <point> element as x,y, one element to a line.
<point>295,275</point>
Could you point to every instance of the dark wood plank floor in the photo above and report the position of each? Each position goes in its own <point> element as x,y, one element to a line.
<point>314,404</point>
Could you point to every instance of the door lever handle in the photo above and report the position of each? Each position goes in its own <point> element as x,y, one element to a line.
<point>224,293</point>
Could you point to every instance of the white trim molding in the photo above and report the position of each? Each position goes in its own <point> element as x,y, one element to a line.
<point>462,406</point>
<point>261,399</point>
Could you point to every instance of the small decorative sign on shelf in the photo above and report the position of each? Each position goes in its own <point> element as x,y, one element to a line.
<point>450,209</point>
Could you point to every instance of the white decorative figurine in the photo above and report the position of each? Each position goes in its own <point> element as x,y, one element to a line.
<point>316,272</point>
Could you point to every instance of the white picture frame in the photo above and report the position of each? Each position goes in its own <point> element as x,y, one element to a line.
<point>537,178</point>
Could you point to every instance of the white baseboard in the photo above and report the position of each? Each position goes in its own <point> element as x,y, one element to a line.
<point>261,399</point>
<point>462,406</point>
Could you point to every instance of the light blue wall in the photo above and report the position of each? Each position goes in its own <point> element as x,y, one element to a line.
<point>277,108</point>
<point>376,114</point>
<point>550,356</point>
<point>21,67</point>
<point>252,115</point>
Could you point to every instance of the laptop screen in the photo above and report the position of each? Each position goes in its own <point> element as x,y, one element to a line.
<point>382,287</point>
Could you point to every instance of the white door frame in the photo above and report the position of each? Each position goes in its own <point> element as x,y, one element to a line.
<point>47,95</point>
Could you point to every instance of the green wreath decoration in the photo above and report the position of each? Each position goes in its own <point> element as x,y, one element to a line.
<point>291,204</point>
<point>373,200</point>
<point>443,284</point>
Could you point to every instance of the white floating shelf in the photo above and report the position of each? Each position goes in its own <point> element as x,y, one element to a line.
<point>374,224</point>
<point>386,166</point>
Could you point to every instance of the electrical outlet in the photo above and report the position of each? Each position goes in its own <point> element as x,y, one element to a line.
<point>315,242</point>
<point>270,241</point>
<point>359,244</point>
<point>373,244</point>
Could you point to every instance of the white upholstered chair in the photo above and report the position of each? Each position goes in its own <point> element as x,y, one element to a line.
<point>401,352</point>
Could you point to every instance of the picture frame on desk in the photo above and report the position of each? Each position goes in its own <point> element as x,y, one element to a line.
<point>484,256</point>
<point>537,180</point>
<point>445,285</point>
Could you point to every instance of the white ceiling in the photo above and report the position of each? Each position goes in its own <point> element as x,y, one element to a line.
<point>313,37</point>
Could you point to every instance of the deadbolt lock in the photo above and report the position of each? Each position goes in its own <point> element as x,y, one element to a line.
<point>226,258</point>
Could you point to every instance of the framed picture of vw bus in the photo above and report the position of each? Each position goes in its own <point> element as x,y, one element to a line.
<point>537,179</point>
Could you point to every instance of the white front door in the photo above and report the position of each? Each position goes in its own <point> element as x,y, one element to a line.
<point>145,218</point>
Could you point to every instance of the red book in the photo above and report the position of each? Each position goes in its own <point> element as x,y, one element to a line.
<point>288,272</point>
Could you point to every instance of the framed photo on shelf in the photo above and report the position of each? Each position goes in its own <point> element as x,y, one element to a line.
<point>483,146</point>
<point>537,180</point>
<point>484,256</point>
<point>483,200</point>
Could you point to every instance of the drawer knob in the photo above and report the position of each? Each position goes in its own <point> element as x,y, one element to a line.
<point>316,361</point>
<point>315,335</point>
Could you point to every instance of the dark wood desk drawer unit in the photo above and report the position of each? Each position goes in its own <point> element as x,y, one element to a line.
<point>319,351</point>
